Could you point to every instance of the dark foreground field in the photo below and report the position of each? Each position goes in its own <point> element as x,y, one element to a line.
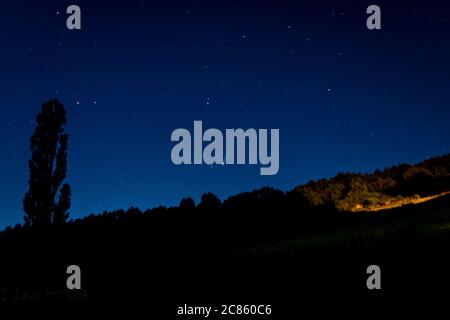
<point>167,262</point>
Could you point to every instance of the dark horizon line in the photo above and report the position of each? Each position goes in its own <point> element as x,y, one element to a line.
<point>243,192</point>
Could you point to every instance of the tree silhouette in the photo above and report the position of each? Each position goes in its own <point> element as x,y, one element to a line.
<point>209,201</point>
<point>48,200</point>
<point>187,204</point>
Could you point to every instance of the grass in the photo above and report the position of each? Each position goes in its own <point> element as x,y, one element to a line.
<point>421,221</point>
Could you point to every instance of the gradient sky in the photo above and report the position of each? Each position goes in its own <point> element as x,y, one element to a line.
<point>344,98</point>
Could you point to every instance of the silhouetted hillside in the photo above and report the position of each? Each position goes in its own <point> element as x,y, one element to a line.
<point>344,192</point>
<point>248,235</point>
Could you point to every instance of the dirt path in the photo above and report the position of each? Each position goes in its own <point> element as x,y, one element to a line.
<point>399,203</point>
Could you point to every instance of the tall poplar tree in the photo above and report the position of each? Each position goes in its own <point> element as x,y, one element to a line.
<point>48,199</point>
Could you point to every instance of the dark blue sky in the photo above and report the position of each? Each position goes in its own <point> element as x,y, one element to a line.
<point>344,98</point>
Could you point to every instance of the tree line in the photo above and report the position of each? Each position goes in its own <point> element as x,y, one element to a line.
<point>48,199</point>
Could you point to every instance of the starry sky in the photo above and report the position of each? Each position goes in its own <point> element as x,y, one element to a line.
<point>344,98</point>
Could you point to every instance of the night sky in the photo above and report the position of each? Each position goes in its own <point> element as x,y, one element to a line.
<point>344,98</point>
